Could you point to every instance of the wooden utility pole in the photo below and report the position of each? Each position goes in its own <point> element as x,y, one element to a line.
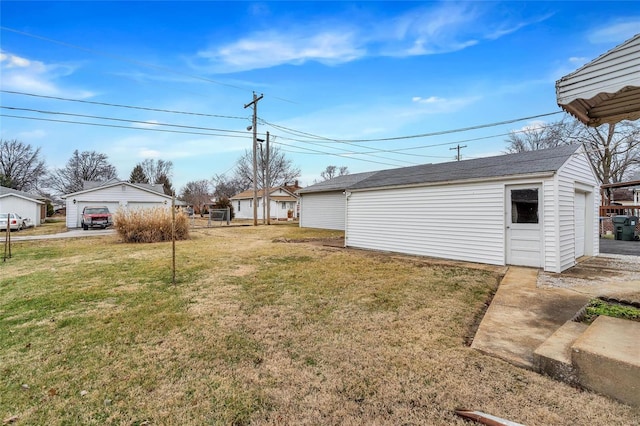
<point>173,238</point>
<point>268,184</point>
<point>254,127</point>
<point>458,148</point>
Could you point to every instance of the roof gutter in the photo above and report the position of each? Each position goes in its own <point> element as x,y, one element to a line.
<point>459,181</point>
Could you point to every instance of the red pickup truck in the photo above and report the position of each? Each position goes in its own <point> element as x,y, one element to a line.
<point>96,217</point>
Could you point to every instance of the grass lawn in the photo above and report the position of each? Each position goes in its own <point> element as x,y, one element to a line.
<point>259,329</point>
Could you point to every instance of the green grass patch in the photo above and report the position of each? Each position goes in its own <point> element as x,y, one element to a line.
<point>597,307</point>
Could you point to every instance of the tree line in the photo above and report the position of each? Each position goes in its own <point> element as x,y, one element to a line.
<point>23,168</point>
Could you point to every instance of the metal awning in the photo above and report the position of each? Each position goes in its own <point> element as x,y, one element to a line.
<point>607,89</point>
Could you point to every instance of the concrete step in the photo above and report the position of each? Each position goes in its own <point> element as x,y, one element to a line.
<point>606,359</point>
<point>553,356</point>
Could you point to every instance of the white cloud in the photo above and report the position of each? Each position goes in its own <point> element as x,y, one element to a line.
<point>32,134</point>
<point>616,32</point>
<point>23,74</point>
<point>429,100</point>
<point>445,27</point>
<point>268,49</point>
<point>436,105</point>
<point>578,60</point>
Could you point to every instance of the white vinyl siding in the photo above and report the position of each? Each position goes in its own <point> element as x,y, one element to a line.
<point>22,206</point>
<point>277,209</point>
<point>576,172</point>
<point>462,222</point>
<point>325,210</point>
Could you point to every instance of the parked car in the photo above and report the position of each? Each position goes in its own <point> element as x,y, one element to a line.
<point>15,221</point>
<point>27,223</point>
<point>96,216</point>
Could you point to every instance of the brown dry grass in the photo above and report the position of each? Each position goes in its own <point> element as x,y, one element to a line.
<point>260,332</point>
<point>150,225</point>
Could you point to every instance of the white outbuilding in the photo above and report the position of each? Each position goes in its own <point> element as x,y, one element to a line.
<point>24,204</point>
<point>114,194</point>
<point>323,205</point>
<point>536,208</point>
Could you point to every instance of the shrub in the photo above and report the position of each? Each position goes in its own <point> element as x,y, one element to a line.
<point>150,225</point>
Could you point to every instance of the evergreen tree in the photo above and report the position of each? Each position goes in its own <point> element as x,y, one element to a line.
<point>138,176</point>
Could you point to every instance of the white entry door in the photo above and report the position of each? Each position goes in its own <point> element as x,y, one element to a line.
<point>524,225</point>
<point>580,220</point>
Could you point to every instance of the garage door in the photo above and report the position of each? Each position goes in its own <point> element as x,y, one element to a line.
<point>580,216</point>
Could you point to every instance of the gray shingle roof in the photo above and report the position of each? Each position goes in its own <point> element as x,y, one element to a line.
<point>338,183</point>
<point>530,162</point>
<point>4,190</point>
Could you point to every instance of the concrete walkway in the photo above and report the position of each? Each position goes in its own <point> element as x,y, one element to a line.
<point>74,233</point>
<point>523,315</point>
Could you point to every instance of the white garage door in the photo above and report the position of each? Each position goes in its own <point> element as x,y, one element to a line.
<point>580,215</point>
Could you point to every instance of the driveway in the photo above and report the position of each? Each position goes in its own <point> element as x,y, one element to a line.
<point>73,233</point>
<point>631,248</point>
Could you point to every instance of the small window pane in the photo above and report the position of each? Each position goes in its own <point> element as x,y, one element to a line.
<point>524,206</point>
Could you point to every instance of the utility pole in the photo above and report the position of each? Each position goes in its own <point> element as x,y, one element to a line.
<point>458,148</point>
<point>268,185</point>
<point>263,168</point>
<point>254,127</point>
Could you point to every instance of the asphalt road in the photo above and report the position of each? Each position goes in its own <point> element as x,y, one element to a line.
<point>631,248</point>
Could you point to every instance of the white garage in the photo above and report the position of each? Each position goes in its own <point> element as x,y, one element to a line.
<point>537,208</point>
<point>115,194</point>
<point>323,205</point>
<point>24,204</point>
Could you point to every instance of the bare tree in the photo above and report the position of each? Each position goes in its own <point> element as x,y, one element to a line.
<point>332,171</point>
<point>21,167</point>
<point>224,186</point>
<point>614,150</point>
<point>82,166</point>
<point>281,169</point>
<point>155,169</point>
<point>197,193</point>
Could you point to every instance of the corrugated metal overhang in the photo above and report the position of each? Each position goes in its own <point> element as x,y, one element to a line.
<point>607,89</point>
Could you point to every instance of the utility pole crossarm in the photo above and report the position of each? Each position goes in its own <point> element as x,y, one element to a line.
<point>458,148</point>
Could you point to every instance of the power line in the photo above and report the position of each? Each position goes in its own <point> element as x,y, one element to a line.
<point>119,119</point>
<point>421,135</point>
<point>336,154</point>
<point>124,106</point>
<point>120,127</point>
<point>185,132</point>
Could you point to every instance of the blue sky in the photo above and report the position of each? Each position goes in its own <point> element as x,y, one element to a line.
<point>342,71</point>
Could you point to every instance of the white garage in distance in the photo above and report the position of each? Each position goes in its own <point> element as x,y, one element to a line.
<point>115,194</point>
<point>323,205</point>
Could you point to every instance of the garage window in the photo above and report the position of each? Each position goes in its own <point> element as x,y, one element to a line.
<point>524,206</point>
